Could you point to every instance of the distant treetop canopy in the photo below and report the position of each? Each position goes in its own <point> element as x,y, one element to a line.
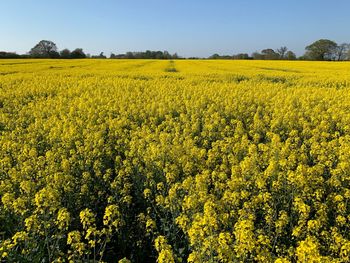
<point>322,49</point>
<point>44,49</point>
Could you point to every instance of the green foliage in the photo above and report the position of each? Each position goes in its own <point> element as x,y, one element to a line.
<point>322,49</point>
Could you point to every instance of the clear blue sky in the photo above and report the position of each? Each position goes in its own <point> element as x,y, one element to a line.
<point>189,27</point>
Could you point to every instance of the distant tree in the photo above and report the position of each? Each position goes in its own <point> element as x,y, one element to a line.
<point>120,56</point>
<point>241,56</point>
<point>65,53</point>
<point>257,56</point>
<point>322,49</point>
<point>78,53</point>
<point>303,57</point>
<point>44,49</point>
<point>341,51</point>
<point>269,54</point>
<point>112,56</point>
<point>214,56</point>
<point>54,54</point>
<point>146,54</point>
<point>166,55</point>
<point>101,55</point>
<point>282,52</point>
<point>290,55</point>
<point>159,55</point>
<point>4,54</point>
<point>129,55</point>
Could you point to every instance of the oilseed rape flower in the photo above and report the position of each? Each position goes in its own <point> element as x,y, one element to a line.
<point>211,161</point>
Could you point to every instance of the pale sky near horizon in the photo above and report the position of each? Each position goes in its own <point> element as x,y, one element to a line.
<point>190,28</point>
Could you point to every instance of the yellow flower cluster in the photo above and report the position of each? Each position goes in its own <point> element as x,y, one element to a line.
<point>210,161</point>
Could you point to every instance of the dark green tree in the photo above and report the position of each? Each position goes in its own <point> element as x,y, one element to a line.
<point>65,53</point>
<point>241,56</point>
<point>290,55</point>
<point>78,53</point>
<point>44,49</point>
<point>269,54</point>
<point>214,56</point>
<point>322,49</point>
<point>257,56</point>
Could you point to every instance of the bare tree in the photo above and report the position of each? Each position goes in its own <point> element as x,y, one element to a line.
<point>282,52</point>
<point>341,51</point>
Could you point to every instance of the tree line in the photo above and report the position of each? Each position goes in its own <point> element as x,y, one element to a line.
<point>321,50</point>
<point>48,49</point>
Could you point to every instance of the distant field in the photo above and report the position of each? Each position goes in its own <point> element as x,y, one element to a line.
<point>185,160</point>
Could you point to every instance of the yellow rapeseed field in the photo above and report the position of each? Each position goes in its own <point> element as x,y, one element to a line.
<point>174,161</point>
